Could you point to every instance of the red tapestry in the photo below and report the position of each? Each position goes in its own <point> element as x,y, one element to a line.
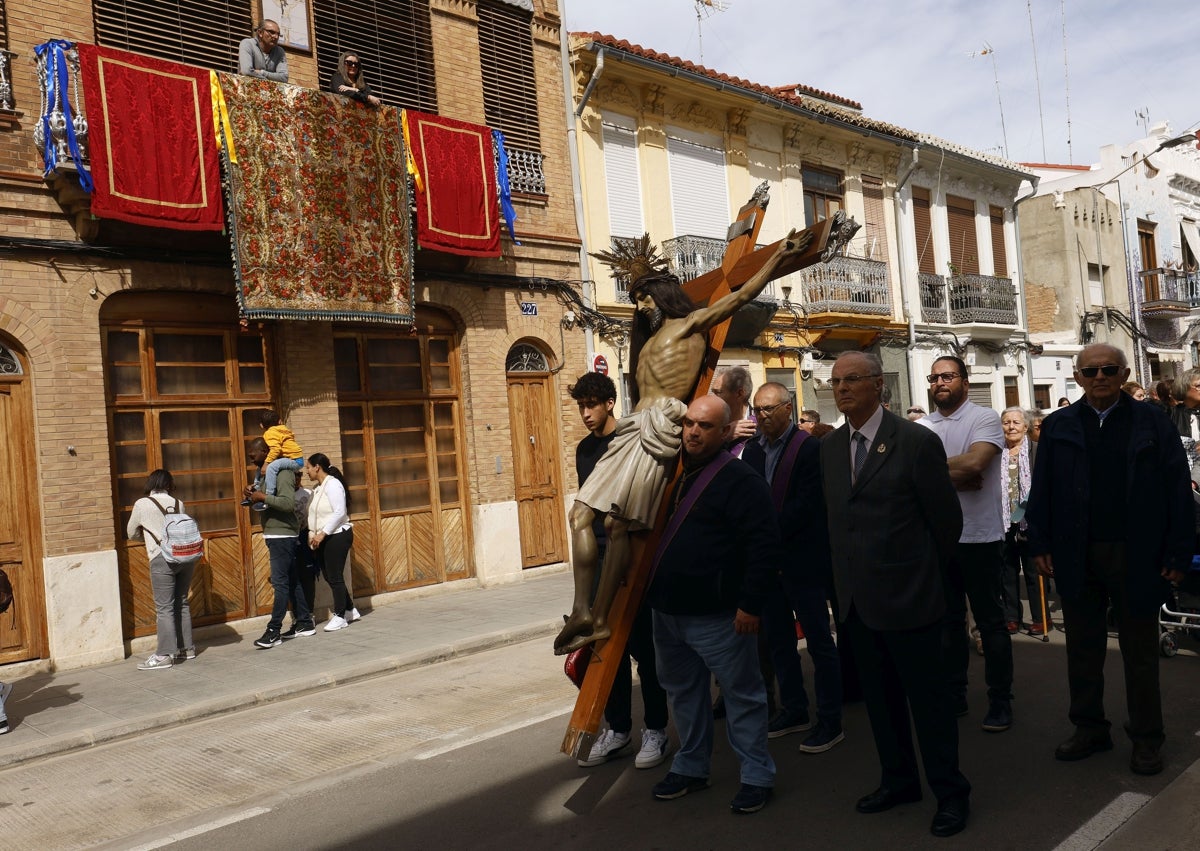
<point>153,153</point>
<point>458,208</point>
<point>318,205</point>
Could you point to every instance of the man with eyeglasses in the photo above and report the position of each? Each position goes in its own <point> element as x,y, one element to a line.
<point>261,56</point>
<point>973,439</point>
<point>894,520</point>
<point>808,419</point>
<point>790,460</point>
<point>733,385</point>
<point>1110,518</point>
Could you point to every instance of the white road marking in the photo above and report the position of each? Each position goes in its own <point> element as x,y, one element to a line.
<point>1104,823</point>
<point>491,734</point>
<point>204,828</point>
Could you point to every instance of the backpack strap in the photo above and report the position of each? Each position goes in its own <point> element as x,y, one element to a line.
<point>174,509</point>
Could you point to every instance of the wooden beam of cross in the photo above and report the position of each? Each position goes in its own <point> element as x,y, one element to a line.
<point>738,265</point>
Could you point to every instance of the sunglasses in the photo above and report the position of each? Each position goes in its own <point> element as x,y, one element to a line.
<point>1109,369</point>
<point>351,64</point>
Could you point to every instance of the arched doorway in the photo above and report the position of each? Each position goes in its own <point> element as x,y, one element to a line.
<point>537,456</point>
<point>22,630</point>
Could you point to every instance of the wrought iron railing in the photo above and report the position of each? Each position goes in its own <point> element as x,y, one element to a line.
<point>525,173</point>
<point>965,299</point>
<point>1189,287</point>
<point>846,285</point>
<point>7,103</point>
<point>1170,285</point>
<point>691,256</point>
<point>54,109</point>
<point>621,282</point>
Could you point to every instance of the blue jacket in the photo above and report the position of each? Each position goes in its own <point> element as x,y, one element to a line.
<point>1160,523</point>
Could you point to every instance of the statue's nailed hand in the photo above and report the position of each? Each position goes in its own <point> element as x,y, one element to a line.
<point>797,242</point>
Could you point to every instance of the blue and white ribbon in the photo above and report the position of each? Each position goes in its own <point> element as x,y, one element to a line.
<point>54,53</point>
<point>510,214</point>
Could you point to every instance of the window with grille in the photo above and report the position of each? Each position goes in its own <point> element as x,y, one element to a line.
<point>964,248</point>
<point>509,84</point>
<point>392,39</point>
<point>197,32</point>
<point>923,226</point>
<point>822,194</point>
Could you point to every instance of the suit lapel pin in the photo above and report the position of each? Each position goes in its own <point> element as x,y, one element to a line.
<point>882,448</point>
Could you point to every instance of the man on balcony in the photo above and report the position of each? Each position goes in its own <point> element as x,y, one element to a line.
<point>261,56</point>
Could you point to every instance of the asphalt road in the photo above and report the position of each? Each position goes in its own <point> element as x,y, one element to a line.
<point>464,754</point>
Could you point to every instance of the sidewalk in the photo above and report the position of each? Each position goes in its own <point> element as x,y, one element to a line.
<point>53,713</point>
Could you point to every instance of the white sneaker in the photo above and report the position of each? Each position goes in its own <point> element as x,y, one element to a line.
<point>655,746</point>
<point>5,691</point>
<point>155,663</point>
<point>336,622</point>
<point>608,746</point>
<point>352,616</point>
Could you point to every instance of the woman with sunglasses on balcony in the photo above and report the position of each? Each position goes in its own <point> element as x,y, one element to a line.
<point>348,80</point>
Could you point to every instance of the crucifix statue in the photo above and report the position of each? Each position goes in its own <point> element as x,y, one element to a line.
<point>674,345</point>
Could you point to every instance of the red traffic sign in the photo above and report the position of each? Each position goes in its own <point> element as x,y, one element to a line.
<point>600,364</point>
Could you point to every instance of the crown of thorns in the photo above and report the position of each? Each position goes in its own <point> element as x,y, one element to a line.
<point>633,259</point>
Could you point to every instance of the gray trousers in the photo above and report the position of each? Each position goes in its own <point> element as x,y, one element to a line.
<point>170,583</point>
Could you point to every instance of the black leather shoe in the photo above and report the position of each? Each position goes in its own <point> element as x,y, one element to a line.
<point>951,817</point>
<point>884,799</point>
<point>1081,745</point>
<point>1145,759</point>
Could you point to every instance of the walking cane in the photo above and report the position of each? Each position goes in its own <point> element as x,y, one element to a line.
<point>1045,618</point>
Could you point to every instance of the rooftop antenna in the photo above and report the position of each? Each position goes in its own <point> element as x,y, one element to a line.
<point>988,50</point>
<point>1067,80</point>
<point>1037,77</point>
<point>704,9</point>
<point>1143,117</point>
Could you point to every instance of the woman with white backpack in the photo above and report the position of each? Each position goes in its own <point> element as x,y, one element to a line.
<point>173,553</point>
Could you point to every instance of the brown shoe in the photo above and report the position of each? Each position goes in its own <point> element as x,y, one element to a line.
<point>1036,629</point>
<point>1082,744</point>
<point>1012,627</point>
<point>1145,759</point>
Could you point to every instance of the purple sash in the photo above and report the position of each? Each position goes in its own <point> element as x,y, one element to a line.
<point>783,471</point>
<point>715,466</point>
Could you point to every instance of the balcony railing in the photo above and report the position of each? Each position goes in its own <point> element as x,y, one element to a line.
<point>1189,287</point>
<point>1165,292</point>
<point>525,173</point>
<point>846,285</point>
<point>967,299</point>
<point>691,256</point>
<point>7,104</point>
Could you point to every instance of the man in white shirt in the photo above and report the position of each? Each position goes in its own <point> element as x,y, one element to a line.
<point>972,437</point>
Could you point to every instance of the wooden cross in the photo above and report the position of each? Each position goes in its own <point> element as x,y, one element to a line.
<point>738,265</point>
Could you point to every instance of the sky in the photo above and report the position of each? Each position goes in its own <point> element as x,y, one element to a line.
<point>921,64</point>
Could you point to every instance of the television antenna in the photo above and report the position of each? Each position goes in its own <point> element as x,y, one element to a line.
<point>705,9</point>
<point>988,50</point>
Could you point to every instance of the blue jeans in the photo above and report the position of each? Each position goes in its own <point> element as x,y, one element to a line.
<point>285,580</point>
<point>688,648</point>
<point>272,475</point>
<point>807,602</point>
<point>170,584</point>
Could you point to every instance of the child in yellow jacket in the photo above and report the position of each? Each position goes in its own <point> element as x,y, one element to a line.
<point>284,453</point>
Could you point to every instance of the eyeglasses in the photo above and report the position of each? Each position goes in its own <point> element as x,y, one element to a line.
<point>1092,371</point>
<point>271,32</point>
<point>767,410</point>
<point>350,63</point>
<point>851,379</point>
<point>942,377</point>
<point>809,422</point>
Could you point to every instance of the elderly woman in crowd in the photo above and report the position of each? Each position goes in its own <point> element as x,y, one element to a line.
<point>1016,468</point>
<point>348,80</point>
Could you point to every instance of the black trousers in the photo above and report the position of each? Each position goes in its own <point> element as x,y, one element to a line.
<point>618,712</point>
<point>1017,561</point>
<point>1085,618</point>
<point>332,553</point>
<point>896,675</point>
<point>974,574</point>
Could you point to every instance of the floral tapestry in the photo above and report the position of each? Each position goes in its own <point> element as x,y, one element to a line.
<point>319,206</point>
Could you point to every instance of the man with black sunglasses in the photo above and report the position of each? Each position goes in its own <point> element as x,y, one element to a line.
<point>1110,518</point>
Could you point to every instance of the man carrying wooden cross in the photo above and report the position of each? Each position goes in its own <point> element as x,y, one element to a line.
<point>667,352</point>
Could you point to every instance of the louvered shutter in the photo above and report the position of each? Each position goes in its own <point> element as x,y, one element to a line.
<point>964,248</point>
<point>999,252</point>
<point>873,213</point>
<point>509,84</point>
<point>980,394</point>
<point>196,32</point>
<point>699,196</point>
<point>392,39</point>
<point>622,182</point>
<point>924,230</point>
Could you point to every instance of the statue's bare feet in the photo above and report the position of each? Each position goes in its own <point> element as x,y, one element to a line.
<point>577,623</point>
<point>579,641</point>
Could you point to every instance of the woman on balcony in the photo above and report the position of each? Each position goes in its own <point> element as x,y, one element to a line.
<point>348,80</point>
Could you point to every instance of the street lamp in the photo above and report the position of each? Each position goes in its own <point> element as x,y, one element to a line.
<point>1185,139</point>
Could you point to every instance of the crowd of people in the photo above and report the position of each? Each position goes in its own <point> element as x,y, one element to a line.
<point>900,525</point>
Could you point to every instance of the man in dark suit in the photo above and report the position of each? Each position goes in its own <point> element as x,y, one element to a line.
<point>894,521</point>
<point>1111,519</point>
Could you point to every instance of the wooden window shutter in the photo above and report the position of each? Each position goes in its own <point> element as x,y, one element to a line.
<point>392,39</point>
<point>999,252</point>
<point>924,229</point>
<point>622,182</point>
<point>195,32</point>
<point>873,213</point>
<point>964,248</point>
<point>3,27</point>
<point>509,82</point>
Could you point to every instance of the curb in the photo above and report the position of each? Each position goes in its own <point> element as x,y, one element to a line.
<point>314,682</point>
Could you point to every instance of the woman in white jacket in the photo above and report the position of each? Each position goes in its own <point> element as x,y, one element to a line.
<point>170,582</point>
<point>330,534</point>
